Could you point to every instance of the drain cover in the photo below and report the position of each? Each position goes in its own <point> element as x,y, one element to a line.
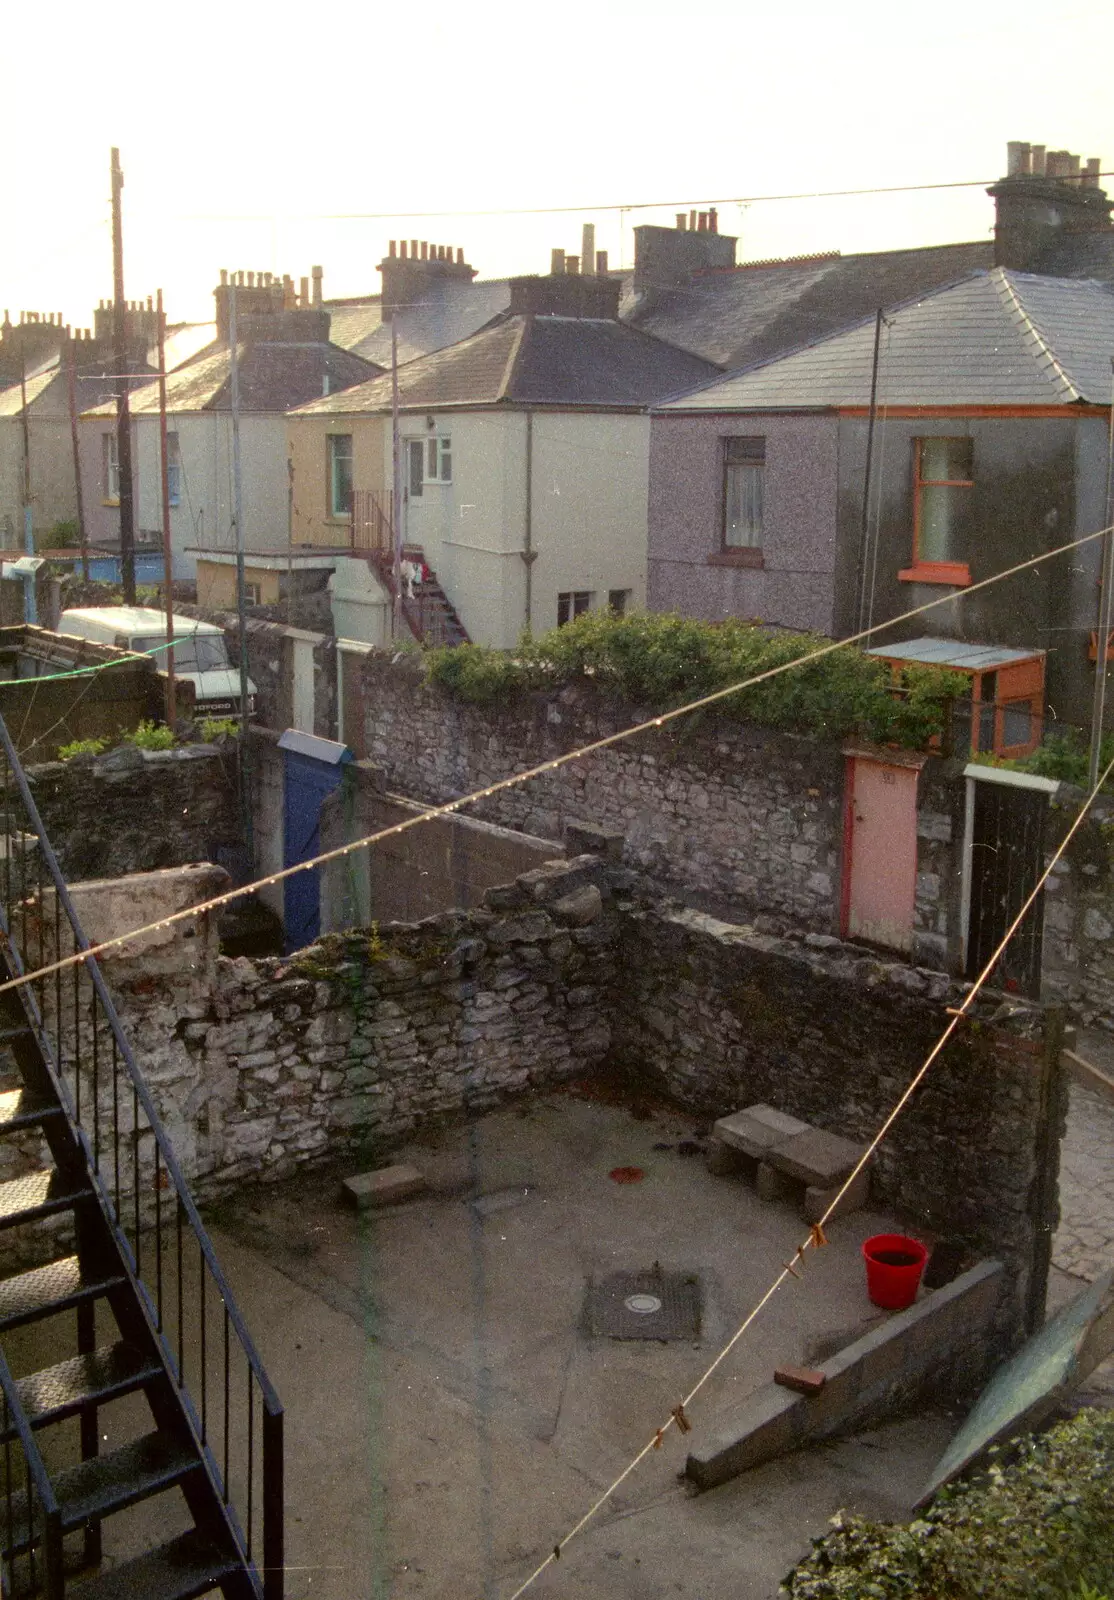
<point>644,1305</point>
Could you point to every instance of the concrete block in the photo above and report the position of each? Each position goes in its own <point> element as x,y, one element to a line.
<point>383,1187</point>
<point>815,1157</point>
<point>769,1183</point>
<point>758,1129</point>
<point>817,1200</point>
<point>721,1160</point>
<point>804,1380</point>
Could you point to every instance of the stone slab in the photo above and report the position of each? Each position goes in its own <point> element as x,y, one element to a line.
<point>817,1199</point>
<point>383,1187</point>
<point>757,1129</point>
<point>815,1157</point>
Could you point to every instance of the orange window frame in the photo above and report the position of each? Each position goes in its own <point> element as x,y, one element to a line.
<point>954,573</point>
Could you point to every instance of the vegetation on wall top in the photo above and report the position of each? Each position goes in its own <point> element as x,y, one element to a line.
<point>661,660</point>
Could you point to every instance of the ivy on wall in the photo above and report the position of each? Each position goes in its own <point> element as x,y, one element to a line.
<point>661,660</point>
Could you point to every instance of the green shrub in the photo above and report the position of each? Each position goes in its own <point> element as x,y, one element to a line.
<point>661,661</point>
<point>151,736</point>
<point>81,747</point>
<point>218,728</point>
<point>1037,1525</point>
<point>1065,755</point>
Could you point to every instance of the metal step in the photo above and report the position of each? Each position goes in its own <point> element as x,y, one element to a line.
<point>42,1291</point>
<point>187,1567</point>
<point>95,1489</point>
<point>68,1387</point>
<point>20,1109</point>
<point>36,1195</point>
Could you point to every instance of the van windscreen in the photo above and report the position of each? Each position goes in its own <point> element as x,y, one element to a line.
<point>196,652</point>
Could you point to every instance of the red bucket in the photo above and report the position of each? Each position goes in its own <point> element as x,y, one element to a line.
<point>894,1265</point>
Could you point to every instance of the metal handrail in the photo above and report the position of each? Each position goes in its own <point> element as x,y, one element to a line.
<point>52,1514</point>
<point>185,1209</point>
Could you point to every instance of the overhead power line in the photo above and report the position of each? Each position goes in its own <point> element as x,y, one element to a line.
<point>614,205</point>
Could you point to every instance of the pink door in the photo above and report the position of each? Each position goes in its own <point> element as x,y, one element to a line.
<point>880,852</point>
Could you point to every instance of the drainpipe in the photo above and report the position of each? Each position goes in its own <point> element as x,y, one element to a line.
<point>529,554</point>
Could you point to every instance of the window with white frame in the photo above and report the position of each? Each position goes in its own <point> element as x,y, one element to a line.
<point>339,469</point>
<point>110,467</point>
<point>439,459</point>
<point>572,604</point>
<point>173,469</point>
<point>744,473</point>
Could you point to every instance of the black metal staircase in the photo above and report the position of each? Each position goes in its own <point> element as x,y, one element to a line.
<point>106,1266</point>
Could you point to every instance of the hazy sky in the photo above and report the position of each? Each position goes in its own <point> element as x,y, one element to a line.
<point>241,128</point>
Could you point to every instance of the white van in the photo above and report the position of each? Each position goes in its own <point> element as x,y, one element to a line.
<point>200,650</point>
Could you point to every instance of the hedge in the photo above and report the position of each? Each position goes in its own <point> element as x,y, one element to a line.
<point>660,661</point>
<point>1037,1525</point>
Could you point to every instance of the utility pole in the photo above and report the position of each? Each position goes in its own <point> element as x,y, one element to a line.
<point>71,382</point>
<point>864,528</point>
<point>396,496</point>
<point>1106,605</point>
<point>25,425</point>
<point>241,587</point>
<point>167,547</point>
<point>123,409</point>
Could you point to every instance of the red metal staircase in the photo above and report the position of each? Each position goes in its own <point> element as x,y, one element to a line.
<point>427,609</point>
<point>116,1276</point>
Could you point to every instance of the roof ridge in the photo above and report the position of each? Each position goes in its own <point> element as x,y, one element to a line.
<point>1032,332</point>
<point>510,371</point>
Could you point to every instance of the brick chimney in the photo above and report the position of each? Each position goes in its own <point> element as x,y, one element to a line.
<point>269,310</point>
<point>666,258</point>
<point>1045,197</point>
<point>415,269</point>
<point>35,339</point>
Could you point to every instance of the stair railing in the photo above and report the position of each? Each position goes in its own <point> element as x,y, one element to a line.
<point>30,1516</point>
<point>230,1403</point>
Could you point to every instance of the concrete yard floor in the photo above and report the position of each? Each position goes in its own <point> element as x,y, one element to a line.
<point>448,1417</point>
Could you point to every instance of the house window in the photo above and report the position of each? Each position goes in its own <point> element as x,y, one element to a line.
<point>572,604</point>
<point>339,465</point>
<point>253,593</point>
<point>173,469</point>
<point>942,475</point>
<point>617,601</point>
<point>110,474</point>
<point>439,460</point>
<point>744,471</point>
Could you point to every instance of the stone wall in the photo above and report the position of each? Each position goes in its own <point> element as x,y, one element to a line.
<point>1079,911</point>
<point>722,1016</point>
<point>260,1065</point>
<point>728,809</point>
<point>137,810</point>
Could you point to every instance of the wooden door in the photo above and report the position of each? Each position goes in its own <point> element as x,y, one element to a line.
<point>880,852</point>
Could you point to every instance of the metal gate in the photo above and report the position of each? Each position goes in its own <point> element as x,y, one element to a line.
<point>1005,841</point>
<point>312,769</point>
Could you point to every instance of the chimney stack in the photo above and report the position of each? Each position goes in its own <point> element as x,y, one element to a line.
<point>318,274</point>
<point>417,270</point>
<point>557,263</point>
<point>588,248</point>
<point>1045,200</point>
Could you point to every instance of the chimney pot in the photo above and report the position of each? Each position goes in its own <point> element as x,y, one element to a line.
<point>391,248</point>
<point>692,221</point>
<point>414,248</point>
<point>460,257</point>
<point>224,277</point>
<point>680,221</point>
<point>702,222</point>
<point>601,263</point>
<point>305,292</point>
<point>318,278</point>
<point>556,263</point>
<point>425,250</point>
<point>150,305</point>
<point>713,220</point>
<point>1091,175</point>
<point>402,247</point>
<point>588,248</point>
<point>1014,166</point>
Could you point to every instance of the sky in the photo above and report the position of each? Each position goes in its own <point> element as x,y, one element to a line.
<point>245,132</point>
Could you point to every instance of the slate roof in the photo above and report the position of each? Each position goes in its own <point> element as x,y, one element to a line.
<point>537,361</point>
<point>273,376</point>
<point>998,338</point>
<point>450,311</point>
<point>11,399</point>
<point>749,313</point>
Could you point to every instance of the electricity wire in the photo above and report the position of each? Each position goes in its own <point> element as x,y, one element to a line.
<point>816,1239</point>
<point>449,807</point>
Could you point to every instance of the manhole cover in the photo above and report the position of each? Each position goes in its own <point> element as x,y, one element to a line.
<point>644,1305</point>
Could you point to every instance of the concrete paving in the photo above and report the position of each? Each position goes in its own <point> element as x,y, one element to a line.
<point>448,1417</point>
<point>1084,1243</point>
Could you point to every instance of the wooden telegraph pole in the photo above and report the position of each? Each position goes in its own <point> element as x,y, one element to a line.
<point>123,409</point>
<point>71,383</point>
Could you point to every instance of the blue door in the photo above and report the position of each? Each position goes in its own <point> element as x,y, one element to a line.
<point>312,770</point>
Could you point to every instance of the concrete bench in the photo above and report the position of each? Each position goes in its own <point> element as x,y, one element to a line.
<point>786,1152</point>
